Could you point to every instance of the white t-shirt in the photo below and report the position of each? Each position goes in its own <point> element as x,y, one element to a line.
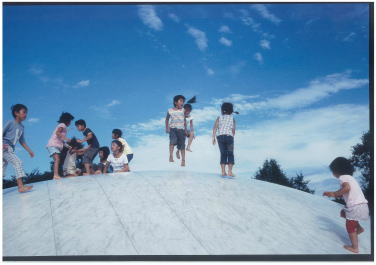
<point>188,121</point>
<point>69,166</point>
<point>117,163</point>
<point>355,195</point>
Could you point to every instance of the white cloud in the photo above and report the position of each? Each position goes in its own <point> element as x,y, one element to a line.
<point>33,120</point>
<point>149,17</point>
<point>174,17</point>
<point>224,29</point>
<point>35,70</point>
<point>200,38</point>
<point>225,41</point>
<point>210,71</point>
<point>265,13</point>
<point>249,21</point>
<point>237,67</point>
<point>258,57</point>
<point>82,83</point>
<point>113,103</point>
<point>349,37</point>
<point>265,44</point>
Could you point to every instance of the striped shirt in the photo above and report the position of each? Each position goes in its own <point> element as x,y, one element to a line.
<point>225,125</point>
<point>176,118</point>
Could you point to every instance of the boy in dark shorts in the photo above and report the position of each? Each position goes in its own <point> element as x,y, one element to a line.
<point>93,146</point>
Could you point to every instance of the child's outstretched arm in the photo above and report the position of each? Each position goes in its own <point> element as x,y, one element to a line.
<point>234,128</point>
<point>345,188</point>
<point>167,119</point>
<point>87,138</point>
<point>215,130</point>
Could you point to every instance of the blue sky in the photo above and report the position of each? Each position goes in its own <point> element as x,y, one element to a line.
<point>298,74</point>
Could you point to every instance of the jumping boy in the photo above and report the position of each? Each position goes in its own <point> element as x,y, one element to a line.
<point>93,146</point>
<point>14,131</point>
<point>176,127</point>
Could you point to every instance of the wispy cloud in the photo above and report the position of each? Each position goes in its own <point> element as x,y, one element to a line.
<point>265,13</point>
<point>224,29</point>
<point>237,67</point>
<point>174,17</point>
<point>200,38</point>
<point>249,21</point>
<point>105,110</point>
<point>210,71</point>
<point>349,37</point>
<point>265,44</point>
<point>258,57</point>
<point>149,17</point>
<point>225,41</point>
<point>82,83</point>
<point>33,120</point>
<point>113,103</point>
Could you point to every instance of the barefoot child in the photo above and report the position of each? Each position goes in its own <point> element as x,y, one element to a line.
<point>118,160</point>
<point>116,135</point>
<point>93,146</point>
<point>56,142</point>
<point>189,125</point>
<point>14,131</point>
<point>103,153</point>
<point>356,204</point>
<point>224,128</point>
<point>69,167</point>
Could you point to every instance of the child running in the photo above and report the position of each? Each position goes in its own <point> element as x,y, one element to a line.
<point>189,125</point>
<point>14,131</point>
<point>356,204</point>
<point>224,129</point>
<point>118,160</point>
<point>56,142</point>
<point>69,167</point>
<point>116,135</point>
<point>103,153</point>
<point>93,146</point>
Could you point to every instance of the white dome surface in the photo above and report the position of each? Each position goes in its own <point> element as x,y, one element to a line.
<point>171,213</point>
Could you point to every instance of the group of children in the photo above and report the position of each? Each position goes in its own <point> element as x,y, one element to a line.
<point>179,125</point>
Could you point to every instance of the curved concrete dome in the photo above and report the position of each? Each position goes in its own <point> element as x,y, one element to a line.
<point>170,213</point>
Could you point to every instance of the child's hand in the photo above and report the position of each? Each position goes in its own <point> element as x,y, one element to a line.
<point>328,194</point>
<point>213,141</point>
<point>31,154</point>
<point>167,130</point>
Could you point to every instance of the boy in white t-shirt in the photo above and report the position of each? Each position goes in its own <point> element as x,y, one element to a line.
<point>356,204</point>
<point>118,159</point>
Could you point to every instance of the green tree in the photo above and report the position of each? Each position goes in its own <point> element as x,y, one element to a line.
<point>272,172</point>
<point>361,159</point>
<point>300,184</point>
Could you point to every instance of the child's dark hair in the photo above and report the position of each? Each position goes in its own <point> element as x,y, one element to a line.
<point>74,144</point>
<point>16,108</point>
<point>80,122</point>
<point>105,150</point>
<point>341,166</point>
<point>177,97</point>
<point>118,143</point>
<point>65,118</point>
<point>117,132</point>
<point>188,106</point>
<point>227,108</point>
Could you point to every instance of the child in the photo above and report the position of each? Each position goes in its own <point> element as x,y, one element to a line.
<point>14,131</point>
<point>56,143</point>
<point>91,150</point>
<point>118,160</point>
<point>103,153</point>
<point>224,128</point>
<point>116,135</point>
<point>356,204</point>
<point>69,166</point>
<point>189,125</point>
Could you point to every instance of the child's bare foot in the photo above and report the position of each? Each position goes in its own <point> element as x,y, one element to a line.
<point>57,177</point>
<point>177,154</point>
<point>360,230</point>
<point>224,174</point>
<point>183,163</point>
<point>350,248</point>
<point>24,188</point>
<point>188,149</point>
<point>171,159</point>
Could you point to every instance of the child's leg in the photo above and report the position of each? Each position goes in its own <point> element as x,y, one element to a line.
<point>171,147</point>
<point>359,229</point>
<point>88,168</point>
<point>351,227</point>
<point>177,154</point>
<point>223,167</point>
<point>182,157</point>
<point>56,158</point>
<point>10,157</point>
<point>190,139</point>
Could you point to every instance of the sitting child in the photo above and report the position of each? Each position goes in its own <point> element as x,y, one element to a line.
<point>103,153</point>
<point>69,166</point>
<point>116,135</point>
<point>118,160</point>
